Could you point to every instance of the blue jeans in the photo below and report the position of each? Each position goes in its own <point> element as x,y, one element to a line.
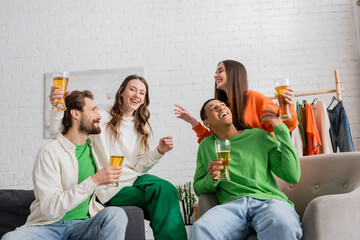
<point>109,223</point>
<point>236,219</point>
<point>339,129</point>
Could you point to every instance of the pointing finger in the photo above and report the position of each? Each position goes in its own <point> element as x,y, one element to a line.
<point>183,109</point>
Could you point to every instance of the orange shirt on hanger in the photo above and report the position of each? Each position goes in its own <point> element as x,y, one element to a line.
<point>312,137</point>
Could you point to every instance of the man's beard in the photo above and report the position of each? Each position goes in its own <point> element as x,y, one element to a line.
<point>89,128</point>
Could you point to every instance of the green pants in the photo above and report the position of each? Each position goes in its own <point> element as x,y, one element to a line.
<point>160,202</point>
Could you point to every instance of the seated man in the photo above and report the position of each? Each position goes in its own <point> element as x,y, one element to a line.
<point>251,201</point>
<point>65,178</point>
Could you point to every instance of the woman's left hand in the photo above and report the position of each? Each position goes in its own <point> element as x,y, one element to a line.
<point>289,96</point>
<point>165,145</point>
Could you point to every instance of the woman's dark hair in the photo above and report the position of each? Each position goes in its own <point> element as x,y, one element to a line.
<point>236,85</point>
<point>141,115</point>
<point>76,100</point>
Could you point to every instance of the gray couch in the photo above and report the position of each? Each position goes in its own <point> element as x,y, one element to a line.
<point>15,207</point>
<point>327,198</point>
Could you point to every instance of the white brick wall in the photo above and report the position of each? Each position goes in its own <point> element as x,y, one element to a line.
<point>179,44</point>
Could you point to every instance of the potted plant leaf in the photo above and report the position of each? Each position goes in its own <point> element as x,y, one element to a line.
<point>187,198</point>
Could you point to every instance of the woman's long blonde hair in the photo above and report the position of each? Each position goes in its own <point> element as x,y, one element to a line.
<point>141,115</point>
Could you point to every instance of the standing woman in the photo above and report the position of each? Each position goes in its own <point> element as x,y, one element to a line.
<point>247,106</point>
<point>126,127</point>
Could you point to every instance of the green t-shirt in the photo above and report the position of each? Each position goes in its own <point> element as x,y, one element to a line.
<point>87,168</point>
<point>255,156</point>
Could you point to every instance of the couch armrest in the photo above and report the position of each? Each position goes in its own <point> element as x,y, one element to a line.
<point>207,201</point>
<point>14,208</point>
<point>333,217</point>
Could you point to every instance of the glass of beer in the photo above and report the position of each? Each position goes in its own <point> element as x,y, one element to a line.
<point>222,148</point>
<point>61,80</point>
<point>281,86</point>
<point>116,159</point>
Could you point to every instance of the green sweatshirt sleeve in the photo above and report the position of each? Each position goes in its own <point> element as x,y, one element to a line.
<point>203,183</point>
<point>283,158</point>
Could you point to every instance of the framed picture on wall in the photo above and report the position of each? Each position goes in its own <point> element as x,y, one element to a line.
<point>103,83</point>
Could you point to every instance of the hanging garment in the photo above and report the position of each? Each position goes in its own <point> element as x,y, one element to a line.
<point>340,129</point>
<point>311,133</point>
<point>323,126</point>
<point>297,141</point>
<point>301,128</point>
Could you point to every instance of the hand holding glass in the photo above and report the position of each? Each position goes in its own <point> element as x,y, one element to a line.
<point>281,86</point>
<point>61,80</point>
<point>222,148</point>
<point>116,159</point>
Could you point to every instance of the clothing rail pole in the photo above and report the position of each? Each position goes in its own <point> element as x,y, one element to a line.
<point>337,84</point>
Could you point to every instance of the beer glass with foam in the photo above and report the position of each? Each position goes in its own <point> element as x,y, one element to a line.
<point>116,159</point>
<point>61,80</point>
<point>282,85</point>
<point>222,148</point>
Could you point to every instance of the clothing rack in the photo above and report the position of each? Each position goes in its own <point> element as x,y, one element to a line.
<point>337,89</point>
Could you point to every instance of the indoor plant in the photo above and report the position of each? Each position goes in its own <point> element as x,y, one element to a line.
<point>187,198</point>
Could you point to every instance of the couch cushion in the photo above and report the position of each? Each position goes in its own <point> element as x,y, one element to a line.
<point>14,208</point>
<point>135,229</point>
<point>324,174</point>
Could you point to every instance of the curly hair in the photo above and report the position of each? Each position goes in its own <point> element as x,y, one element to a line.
<point>76,100</point>
<point>141,115</point>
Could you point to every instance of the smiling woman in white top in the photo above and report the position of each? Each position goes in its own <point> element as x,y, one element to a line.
<point>126,127</point>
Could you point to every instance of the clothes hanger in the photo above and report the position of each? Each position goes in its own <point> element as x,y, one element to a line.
<point>315,100</point>
<point>303,103</point>
<point>333,99</point>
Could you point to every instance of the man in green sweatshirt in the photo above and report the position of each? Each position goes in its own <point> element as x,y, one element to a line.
<point>251,201</point>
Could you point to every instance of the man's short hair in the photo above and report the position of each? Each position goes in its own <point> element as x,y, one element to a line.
<point>76,100</point>
<point>203,115</point>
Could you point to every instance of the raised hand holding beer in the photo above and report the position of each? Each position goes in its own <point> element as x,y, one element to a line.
<point>281,86</point>
<point>57,94</point>
<point>222,148</point>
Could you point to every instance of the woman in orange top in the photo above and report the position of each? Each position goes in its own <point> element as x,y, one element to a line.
<point>247,106</point>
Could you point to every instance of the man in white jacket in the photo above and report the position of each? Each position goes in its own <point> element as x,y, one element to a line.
<point>65,177</point>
